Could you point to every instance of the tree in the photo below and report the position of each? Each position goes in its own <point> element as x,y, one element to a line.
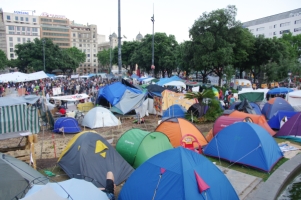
<point>12,63</point>
<point>128,49</point>
<point>71,57</point>
<point>215,36</point>
<point>104,58</point>
<point>3,59</point>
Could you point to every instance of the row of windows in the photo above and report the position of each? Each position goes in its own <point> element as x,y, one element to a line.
<point>297,29</point>
<point>84,35</point>
<point>46,20</point>
<point>275,25</point>
<point>11,39</point>
<point>22,33</point>
<point>59,39</point>
<point>60,21</point>
<point>55,29</point>
<point>74,40</point>
<point>63,44</point>
<point>88,60</point>
<point>56,34</point>
<point>22,19</point>
<point>285,24</point>
<point>22,28</point>
<point>83,45</point>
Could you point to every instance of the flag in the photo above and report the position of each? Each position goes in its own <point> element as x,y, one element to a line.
<point>202,185</point>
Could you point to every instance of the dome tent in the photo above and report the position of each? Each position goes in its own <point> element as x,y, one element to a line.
<point>177,174</point>
<point>274,105</point>
<point>245,143</point>
<point>174,110</point>
<point>66,125</point>
<point>136,146</point>
<point>100,117</point>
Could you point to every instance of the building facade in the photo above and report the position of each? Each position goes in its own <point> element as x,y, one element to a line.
<point>56,28</point>
<point>276,25</point>
<point>20,27</point>
<point>84,37</point>
<point>2,33</point>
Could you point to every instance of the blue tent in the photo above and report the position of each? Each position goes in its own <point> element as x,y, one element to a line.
<point>245,143</point>
<point>255,107</point>
<point>280,90</point>
<point>66,125</point>
<point>175,110</point>
<point>274,122</point>
<point>274,105</point>
<point>167,80</point>
<point>114,92</point>
<point>177,174</point>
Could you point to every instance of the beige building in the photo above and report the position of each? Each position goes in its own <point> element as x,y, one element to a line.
<point>56,28</point>
<point>20,27</point>
<point>2,33</point>
<point>84,37</point>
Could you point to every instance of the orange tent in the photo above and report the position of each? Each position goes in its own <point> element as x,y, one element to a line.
<point>257,119</point>
<point>176,128</point>
<point>209,136</point>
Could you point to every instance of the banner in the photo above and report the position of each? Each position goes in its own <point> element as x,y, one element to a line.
<point>56,91</point>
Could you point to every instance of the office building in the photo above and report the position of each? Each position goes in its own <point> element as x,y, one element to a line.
<point>56,28</point>
<point>84,37</point>
<point>276,25</point>
<point>2,33</point>
<point>20,27</point>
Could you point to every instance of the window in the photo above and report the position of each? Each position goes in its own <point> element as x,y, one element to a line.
<point>18,28</point>
<point>34,19</point>
<point>88,55</point>
<point>34,29</point>
<point>274,33</point>
<point>23,40</point>
<point>297,29</point>
<point>275,25</point>
<point>21,18</point>
<point>94,60</point>
<point>11,49</point>
<point>251,30</point>
<point>28,29</point>
<point>80,45</point>
<point>26,19</point>
<point>260,29</point>
<point>88,45</point>
<point>84,45</point>
<point>10,39</point>
<point>28,39</point>
<point>74,40</point>
<point>88,60</point>
<point>35,34</point>
<point>8,17</point>
<point>11,28</point>
<point>74,44</point>
<point>19,39</point>
<point>74,35</point>
<point>12,55</point>
<point>94,50</point>
<point>284,24</point>
<point>284,31</point>
<point>23,28</point>
<point>94,55</point>
<point>298,21</point>
<point>11,44</point>
<point>94,45</point>
<point>88,50</point>
<point>16,18</point>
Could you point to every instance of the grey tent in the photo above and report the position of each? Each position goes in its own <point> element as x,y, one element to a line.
<point>89,156</point>
<point>15,176</point>
<point>128,102</point>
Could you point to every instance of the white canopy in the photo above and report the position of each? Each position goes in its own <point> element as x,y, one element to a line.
<point>22,77</point>
<point>75,97</point>
<point>294,98</point>
<point>75,76</point>
<point>176,83</point>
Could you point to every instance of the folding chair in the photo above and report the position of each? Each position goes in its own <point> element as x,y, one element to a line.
<point>189,141</point>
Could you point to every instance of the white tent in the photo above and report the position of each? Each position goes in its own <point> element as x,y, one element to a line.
<point>100,117</point>
<point>176,83</point>
<point>294,98</point>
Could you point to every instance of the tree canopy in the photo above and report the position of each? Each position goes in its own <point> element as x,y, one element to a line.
<point>3,59</point>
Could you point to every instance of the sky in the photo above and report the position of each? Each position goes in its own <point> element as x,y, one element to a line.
<point>174,17</point>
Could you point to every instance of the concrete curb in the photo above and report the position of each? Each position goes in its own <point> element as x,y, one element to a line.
<point>273,186</point>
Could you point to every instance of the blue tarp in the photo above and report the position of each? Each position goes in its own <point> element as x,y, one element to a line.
<point>66,125</point>
<point>245,143</point>
<point>280,90</point>
<point>274,105</point>
<point>167,80</point>
<point>175,110</point>
<point>114,92</point>
<point>274,122</point>
<point>177,174</point>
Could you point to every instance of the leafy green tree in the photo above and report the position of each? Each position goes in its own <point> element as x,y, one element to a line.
<point>3,59</point>
<point>104,58</point>
<point>128,49</point>
<point>12,63</point>
<point>72,57</point>
<point>215,35</point>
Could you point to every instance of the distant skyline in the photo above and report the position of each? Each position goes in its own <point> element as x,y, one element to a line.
<point>172,17</point>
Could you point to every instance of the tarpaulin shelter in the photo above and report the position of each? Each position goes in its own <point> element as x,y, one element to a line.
<point>257,119</point>
<point>223,122</point>
<point>170,98</point>
<point>163,81</point>
<point>245,106</point>
<point>274,105</point>
<point>88,154</point>
<point>247,144</point>
<point>15,177</point>
<point>135,76</point>
<point>66,125</point>
<point>274,122</point>
<point>99,117</point>
<point>279,90</point>
<point>16,116</point>
<point>291,129</point>
<point>178,174</point>
<point>128,102</point>
<point>68,189</point>
<point>251,96</point>
<point>175,128</point>
<point>156,90</point>
<point>174,111</point>
<point>198,110</point>
<point>17,77</point>
<point>176,83</point>
<point>294,98</point>
<point>136,145</point>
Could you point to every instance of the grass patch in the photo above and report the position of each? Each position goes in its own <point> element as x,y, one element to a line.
<point>60,175</point>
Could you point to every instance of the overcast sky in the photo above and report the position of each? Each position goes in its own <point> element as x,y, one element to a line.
<point>171,16</point>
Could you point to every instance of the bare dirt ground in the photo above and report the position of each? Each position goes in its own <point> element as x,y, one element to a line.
<point>50,145</point>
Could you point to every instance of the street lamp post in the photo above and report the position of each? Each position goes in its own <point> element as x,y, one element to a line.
<point>119,42</point>
<point>153,52</point>
<point>44,53</point>
<point>110,53</point>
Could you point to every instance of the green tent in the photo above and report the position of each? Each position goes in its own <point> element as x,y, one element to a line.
<point>251,96</point>
<point>136,146</point>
